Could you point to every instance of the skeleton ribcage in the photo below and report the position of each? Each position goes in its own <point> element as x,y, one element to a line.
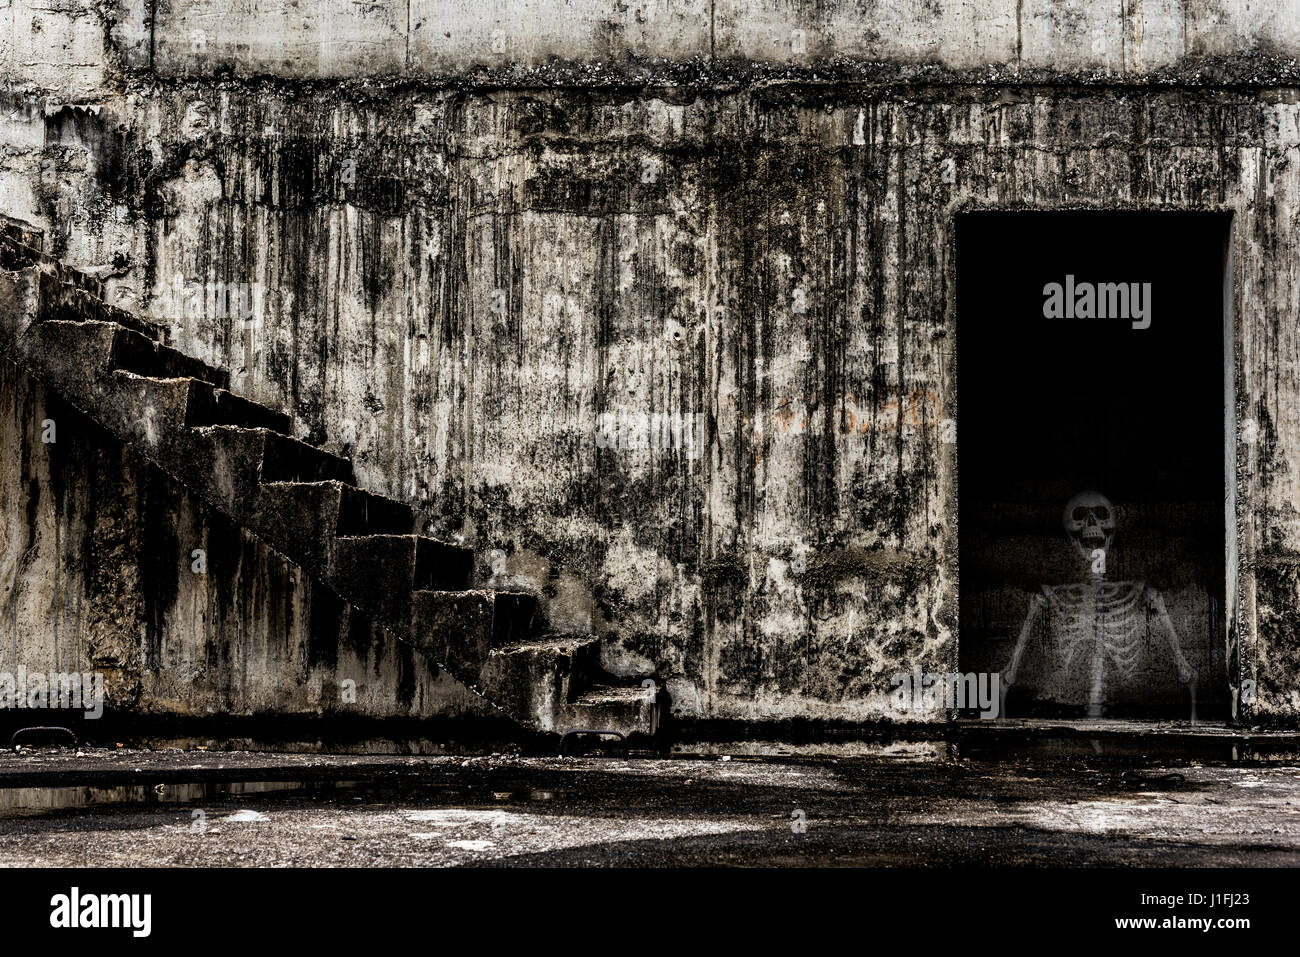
<point>1106,620</point>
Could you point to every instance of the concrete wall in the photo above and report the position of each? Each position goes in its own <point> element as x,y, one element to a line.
<point>546,211</point>
<point>76,47</point>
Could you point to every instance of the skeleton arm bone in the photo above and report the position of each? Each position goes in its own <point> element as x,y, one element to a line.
<point>1186,673</point>
<point>1036,605</point>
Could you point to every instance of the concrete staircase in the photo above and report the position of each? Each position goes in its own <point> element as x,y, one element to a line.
<point>241,458</point>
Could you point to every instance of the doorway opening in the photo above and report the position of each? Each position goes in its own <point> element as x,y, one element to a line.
<point>1092,461</point>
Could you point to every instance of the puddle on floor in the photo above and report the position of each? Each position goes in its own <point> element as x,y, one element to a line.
<point>38,801</point>
<point>35,801</point>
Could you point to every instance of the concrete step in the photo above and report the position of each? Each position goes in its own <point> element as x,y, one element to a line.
<point>159,411</point>
<point>152,412</point>
<point>76,297</point>
<point>303,519</point>
<point>133,352</point>
<point>76,356</point>
<point>516,615</point>
<point>69,356</point>
<point>540,677</point>
<point>627,709</point>
<point>64,351</point>
<point>72,301</point>
<point>388,568</point>
<point>459,629</point>
<point>229,463</point>
<point>221,407</point>
<point>19,305</point>
<point>20,248</point>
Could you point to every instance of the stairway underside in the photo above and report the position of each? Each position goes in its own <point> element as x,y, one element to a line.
<point>241,459</point>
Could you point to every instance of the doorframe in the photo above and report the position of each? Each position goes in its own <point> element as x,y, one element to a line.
<point>1238,611</point>
<point>1239,601</point>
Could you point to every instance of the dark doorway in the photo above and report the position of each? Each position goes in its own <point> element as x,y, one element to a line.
<point>1111,381</point>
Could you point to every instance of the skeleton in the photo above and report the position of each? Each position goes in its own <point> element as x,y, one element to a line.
<point>1098,622</point>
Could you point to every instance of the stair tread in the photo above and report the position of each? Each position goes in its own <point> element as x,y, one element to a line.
<point>136,351</point>
<point>483,592</point>
<point>416,537</point>
<point>344,487</point>
<point>614,694</point>
<point>227,427</point>
<point>337,482</point>
<point>394,535</point>
<point>210,402</point>
<point>128,374</point>
<point>566,643</point>
<point>79,322</point>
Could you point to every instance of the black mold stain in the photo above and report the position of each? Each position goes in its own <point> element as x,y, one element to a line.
<point>325,626</point>
<point>161,557</point>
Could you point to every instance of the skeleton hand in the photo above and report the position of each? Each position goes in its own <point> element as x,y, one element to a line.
<point>1186,673</point>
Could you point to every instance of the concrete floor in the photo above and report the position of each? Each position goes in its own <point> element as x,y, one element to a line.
<point>930,803</point>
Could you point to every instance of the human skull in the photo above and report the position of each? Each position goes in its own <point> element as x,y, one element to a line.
<point>1090,522</point>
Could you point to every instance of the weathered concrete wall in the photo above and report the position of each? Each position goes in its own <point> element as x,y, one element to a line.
<point>501,271</point>
<point>97,574</point>
<point>75,47</point>
<point>454,275</point>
